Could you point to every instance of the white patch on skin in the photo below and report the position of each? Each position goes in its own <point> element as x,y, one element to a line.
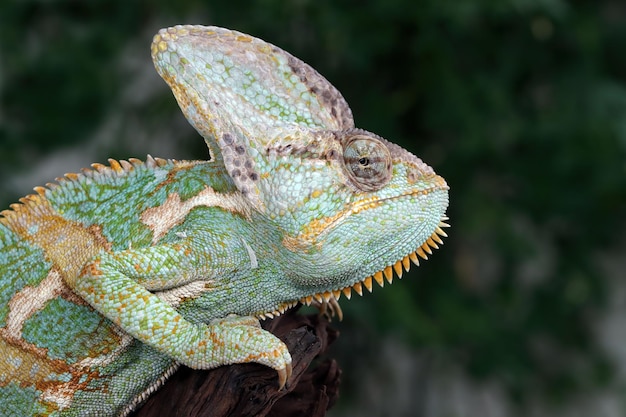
<point>194,289</point>
<point>173,211</point>
<point>32,299</point>
<point>254,263</point>
<point>60,394</point>
<point>29,301</point>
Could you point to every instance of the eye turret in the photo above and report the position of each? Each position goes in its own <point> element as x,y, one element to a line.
<point>367,161</point>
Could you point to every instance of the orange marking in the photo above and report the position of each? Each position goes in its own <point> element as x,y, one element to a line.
<point>310,233</point>
<point>34,369</point>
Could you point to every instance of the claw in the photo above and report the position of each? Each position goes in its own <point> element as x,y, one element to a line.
<point>283,375</point>
<point>335,309</point>
<point>329,309</point>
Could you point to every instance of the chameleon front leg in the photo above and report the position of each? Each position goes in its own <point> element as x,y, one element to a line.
<point>115,285</point>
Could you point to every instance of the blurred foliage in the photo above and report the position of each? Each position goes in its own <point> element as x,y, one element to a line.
<point>519,104</point>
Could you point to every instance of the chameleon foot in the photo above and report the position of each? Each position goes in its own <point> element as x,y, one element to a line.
<point>242,340</point>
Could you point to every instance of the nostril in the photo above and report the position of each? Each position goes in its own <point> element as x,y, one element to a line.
<point>413,175</point>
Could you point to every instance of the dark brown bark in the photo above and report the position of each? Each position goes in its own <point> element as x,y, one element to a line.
<point>252,389</point>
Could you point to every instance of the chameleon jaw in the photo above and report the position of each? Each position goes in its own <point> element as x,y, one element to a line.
<point>327,301</point>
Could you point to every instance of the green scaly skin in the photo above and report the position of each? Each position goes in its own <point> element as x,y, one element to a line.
<point>113,277</point>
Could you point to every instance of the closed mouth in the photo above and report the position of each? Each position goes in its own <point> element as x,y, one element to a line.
<point>327,300</point>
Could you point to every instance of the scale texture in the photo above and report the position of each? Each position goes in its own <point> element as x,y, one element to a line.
<point>112,278</point>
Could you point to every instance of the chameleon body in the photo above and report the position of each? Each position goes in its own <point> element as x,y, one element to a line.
<point>113,277</point>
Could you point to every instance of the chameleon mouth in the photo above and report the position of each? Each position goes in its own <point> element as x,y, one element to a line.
<point>327,301</point>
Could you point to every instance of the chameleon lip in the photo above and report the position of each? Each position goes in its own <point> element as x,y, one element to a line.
<point>315,229</point>
<point>327,301</point>
<point>366,203</point>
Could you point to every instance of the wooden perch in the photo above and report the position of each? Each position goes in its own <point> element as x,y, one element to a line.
<point>252,389</point>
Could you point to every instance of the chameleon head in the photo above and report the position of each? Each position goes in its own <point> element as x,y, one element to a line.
<point>354,208</point>
<point>350,206</point>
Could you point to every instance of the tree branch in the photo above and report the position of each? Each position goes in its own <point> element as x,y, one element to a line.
<point>252,389</point>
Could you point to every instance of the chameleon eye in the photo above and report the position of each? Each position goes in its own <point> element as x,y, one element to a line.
<point>367,161</point>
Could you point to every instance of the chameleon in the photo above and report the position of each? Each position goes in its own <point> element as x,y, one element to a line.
<point>112,278</point>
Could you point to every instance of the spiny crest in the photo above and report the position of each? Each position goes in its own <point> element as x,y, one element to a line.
<point>327,301</point>
<point>398,267</point>
<point>34,202</point>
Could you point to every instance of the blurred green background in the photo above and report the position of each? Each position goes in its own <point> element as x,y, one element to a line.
<point>519,104</point>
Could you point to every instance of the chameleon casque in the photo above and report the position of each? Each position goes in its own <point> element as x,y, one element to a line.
<point>113,277</point>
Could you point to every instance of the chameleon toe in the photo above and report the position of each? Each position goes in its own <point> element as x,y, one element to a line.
<point>283,376</point>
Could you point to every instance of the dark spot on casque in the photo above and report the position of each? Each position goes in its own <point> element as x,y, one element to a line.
<point>237,162</point>
<point>286,149</point>
<point>227,138</point>
<point>296,66</point>
<point>235,173</point>
<point>248,164</point>
<point>254,176</point>
<point>318,86</point>
<point>240,149</point>
<point>299,151</point>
